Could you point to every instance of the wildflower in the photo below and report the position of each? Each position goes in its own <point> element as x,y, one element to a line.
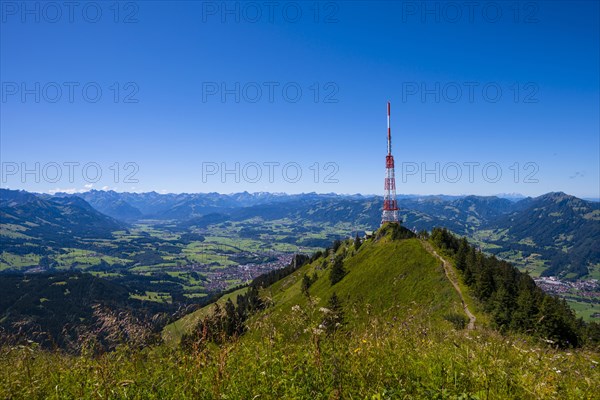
<point>315,331</point>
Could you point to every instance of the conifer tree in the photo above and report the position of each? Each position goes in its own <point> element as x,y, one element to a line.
<point>525,311</point>
<point>334,317</point>
<point>231,321</point>
<point>306,282</point>
<point>337,270</point>
<point>461,254</point>
<point>336,245</point>
<point>484,279</point>
<point>357,242</point>
<point>502,308</point>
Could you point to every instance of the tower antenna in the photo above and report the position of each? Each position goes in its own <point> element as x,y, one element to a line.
<point>390,205</point>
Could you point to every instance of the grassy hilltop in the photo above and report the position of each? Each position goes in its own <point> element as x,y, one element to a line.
<point>398,331</point>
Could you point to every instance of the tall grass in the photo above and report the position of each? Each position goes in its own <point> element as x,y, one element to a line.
<point>406,359</point>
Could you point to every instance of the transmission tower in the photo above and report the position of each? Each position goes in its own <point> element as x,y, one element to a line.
<point>390,205</point>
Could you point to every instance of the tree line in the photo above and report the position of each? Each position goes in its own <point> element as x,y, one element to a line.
<point>511,297</point>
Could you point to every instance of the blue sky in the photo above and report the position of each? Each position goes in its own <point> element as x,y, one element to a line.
<point>499,98</point>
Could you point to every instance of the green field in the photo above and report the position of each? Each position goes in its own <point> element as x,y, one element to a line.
<point>9,260</point>
<point>584,309</point>
<point>153,296</point>
<point>83,259</point>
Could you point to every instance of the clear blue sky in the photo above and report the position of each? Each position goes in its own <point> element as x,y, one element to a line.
<point>441,67</point>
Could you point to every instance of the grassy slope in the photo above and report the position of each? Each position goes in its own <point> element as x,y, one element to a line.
<point>384,278</point>
<point>172,333</point>
<point>396,344</point>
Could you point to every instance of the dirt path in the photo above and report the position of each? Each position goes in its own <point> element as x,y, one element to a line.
<point>452,278</point>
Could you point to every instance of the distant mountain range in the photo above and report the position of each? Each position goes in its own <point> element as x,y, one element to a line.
<point>559,232</point>
<point>152,205</point>
<point>28,220</point>
<point>561,228</point>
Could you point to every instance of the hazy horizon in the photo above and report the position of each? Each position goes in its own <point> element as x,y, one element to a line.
<point>500,195</point>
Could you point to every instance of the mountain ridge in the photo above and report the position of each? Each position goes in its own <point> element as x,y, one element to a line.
<point>501,226</point>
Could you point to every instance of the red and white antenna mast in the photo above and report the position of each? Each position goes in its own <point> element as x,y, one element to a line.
<point>390,205</point>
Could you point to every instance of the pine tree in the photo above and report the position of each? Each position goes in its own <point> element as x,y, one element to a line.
<point>484,278</point>
<point>215,324</point>
<point>502,308</point>
<point>357,242</point>
<point>461,255</point>
<point>337,271</point>
<point>306,282</point>
<point>242,307</point>
<point>231,322</point>
<point>470,267</point>
<point>525,312</point>
<point>336,245</point>
<point>557,322</point>
<point>334,317</point>
<point>254,301</point>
